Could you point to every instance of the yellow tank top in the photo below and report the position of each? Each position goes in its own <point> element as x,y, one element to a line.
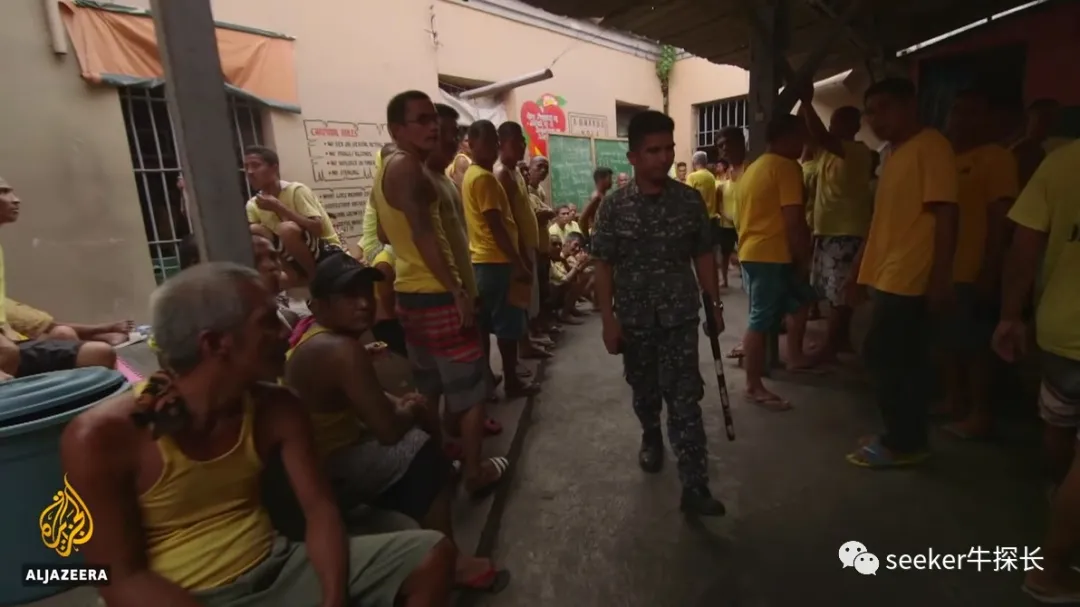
<point>331,430</point>
<point>204,521</point>
<point>413,275</point>
<point>523,212</point>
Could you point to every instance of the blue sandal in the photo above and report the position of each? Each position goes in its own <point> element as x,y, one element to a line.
<point>876,456</point>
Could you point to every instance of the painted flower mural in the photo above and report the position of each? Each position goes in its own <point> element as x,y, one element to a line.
<point>540,117</point>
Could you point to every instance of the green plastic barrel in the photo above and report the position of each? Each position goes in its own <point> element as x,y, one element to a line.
<point>33,413</point>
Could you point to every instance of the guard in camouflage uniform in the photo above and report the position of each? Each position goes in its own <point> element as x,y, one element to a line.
<point>650,238</point>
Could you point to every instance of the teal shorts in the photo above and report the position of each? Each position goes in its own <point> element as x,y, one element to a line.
<point>775,291</point>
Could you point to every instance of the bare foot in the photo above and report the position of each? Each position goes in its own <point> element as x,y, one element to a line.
<point>124,326</point>
<point>803,364</point>
<point>768,400</point>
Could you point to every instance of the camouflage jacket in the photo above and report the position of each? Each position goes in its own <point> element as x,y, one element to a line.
<point>650,241</point>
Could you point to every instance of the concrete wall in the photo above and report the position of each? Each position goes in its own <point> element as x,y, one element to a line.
<point>79,247</point>
<point>80,250</point>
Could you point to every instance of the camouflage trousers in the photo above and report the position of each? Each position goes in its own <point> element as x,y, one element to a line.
<point>661,364</point>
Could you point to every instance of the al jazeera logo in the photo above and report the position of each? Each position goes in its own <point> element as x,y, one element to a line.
<point>65,524</point>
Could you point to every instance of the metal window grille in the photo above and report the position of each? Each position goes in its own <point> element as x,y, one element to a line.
<point>157,167</point>
<point>454,89</point>
<point>717,116</point>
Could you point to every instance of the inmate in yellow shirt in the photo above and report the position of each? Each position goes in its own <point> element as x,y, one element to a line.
<point>770,183</point>
<point>298,198</point>
<point>524,216</point>
<point>481,192</point>
<point>1051,203</point>
<point>705,183</point>
<point>899,249</point>
<point>987,174</point>
<point>729,200</point>
<point>843,200</point>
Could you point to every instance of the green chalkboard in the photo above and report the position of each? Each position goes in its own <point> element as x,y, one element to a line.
<point>571,160</point>
<point>611,153</point>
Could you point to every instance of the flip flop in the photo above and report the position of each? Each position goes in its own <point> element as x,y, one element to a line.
<point>492,581</point>
<point>492,427</point>
<point>772,403</point>
<point>876,457</point>
<point>501,465</point>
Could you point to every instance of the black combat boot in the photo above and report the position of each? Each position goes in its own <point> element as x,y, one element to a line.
<point>699,501</point>
<point>651,455</point>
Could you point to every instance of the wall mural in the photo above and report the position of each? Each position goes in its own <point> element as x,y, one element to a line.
<point>541,117</point>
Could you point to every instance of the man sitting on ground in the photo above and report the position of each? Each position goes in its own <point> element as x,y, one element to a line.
<point>21,356</point>
<point>564,223</point>
<point>171,472</point>
<point>377,449</point>
<point>569,281</point>
<point>288,213</point>
<point>38,324</point>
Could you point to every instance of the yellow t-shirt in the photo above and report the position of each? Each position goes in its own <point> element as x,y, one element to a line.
<point>537,203</point>
<point>842,202</point>
<point>729,200</point>
<point>811,169</point>
<point>987,174</point>
<point>705,183</point>
<point>454,227</point>
<point>481,191</point>
<point>899,249</point>
<point>554,231</point>
<point>369,234</point>
<point>413,275</point>
<point>298,198</point>
<point>1050,203</point>
<point>770,183</point>
<point>524,215</point>
<point>718,205</point>
<point>450,169</point>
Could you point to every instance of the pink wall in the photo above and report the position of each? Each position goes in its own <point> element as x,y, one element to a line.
<point>1052,37</point>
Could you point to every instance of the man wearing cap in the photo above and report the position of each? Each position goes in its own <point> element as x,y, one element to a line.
<point>19,356</point>
<point>376,449</point>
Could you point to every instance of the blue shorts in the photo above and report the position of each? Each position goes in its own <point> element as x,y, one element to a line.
<point>497,316</point>
<point>775,291</point>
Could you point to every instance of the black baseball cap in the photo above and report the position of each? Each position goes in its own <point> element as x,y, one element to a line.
<point>341,274</point>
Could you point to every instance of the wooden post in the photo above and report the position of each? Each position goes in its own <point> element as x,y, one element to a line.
<point>195,90</point>
<point>766,53</point>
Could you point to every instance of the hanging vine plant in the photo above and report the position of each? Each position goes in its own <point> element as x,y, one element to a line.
<point>664,64</point>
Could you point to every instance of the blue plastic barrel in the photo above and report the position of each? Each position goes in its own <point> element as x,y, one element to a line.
<point>33,413</point>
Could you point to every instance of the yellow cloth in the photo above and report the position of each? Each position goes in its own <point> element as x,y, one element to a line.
<point>1053,143</point>
<point>705,183</point>
<point>413,275</point>
<point>729,200</point>
<point>450,169</point>
<point>11,332</point>
<point>718,204</point>
<point>537,204</point>
<point>555,231</point>
<point>450,212</point>
<point>770,183</point>
<point>481,192</point>
<point>369,234</point>
<point>987,174</point>
<point>524,215</point>
<point>27,321</point>
<point>1050,203</point>
<point>203,521</point>
<point>842,202</point>
<point>558,272</point>
<point>899,249</point>
<point>301,200</point>
<point>810,172</point>
<point>331,430</point>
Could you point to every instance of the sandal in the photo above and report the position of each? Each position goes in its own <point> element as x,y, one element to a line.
<point>492,581</point>
<point>736,352</point>
<point>877,457</point>
<point>500,465</point>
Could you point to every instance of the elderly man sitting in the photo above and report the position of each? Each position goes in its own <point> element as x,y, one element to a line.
<point>171,473</point>
<point>377,449</point>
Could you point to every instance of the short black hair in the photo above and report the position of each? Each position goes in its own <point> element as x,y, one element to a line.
<point>480,128</point>
<point>446,112</point>
<point>733,132</point>
<point>601,173</point>
<point>848,111</point>
<point>899,88</point>
<point>510,129</point>
<point>649,122</point>
<point>395,110</point>
<point>267,155</point>
<point>680,164</point>
<point>782,125</point>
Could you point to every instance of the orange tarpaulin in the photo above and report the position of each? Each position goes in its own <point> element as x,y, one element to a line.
<point>118,45</point>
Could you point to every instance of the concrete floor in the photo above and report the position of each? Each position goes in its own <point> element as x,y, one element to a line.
<point>584,526</point>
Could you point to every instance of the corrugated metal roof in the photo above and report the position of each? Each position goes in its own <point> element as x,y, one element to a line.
<point>719,30</point>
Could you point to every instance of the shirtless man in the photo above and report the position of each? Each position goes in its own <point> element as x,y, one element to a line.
<point>194,532</point>
<point>434,307</point>
<point>602,181</point>
<point>391,458</point>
